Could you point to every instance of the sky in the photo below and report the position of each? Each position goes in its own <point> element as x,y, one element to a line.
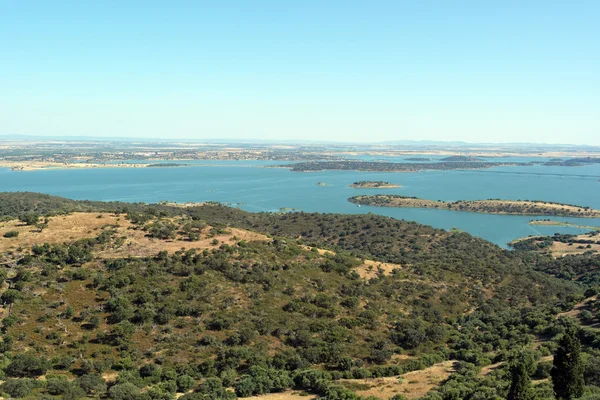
<point>475,71</point>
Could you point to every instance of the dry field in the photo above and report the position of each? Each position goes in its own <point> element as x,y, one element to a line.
<point>136,243</point>
<point>559,249</point>
<point>369,268</point>
<point>412,384</point>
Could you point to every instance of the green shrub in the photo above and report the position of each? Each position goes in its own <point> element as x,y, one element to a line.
<point>27,365</point>
<point>20,387</point>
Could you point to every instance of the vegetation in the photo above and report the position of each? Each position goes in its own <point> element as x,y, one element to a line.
<point>250,317</point>
<point>567,372</point>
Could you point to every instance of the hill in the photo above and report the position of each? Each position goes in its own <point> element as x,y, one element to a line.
<point>146,301</point>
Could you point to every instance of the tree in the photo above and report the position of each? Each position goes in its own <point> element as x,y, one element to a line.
<point>92,384</point>
<point>10,296</point>
<point>567,372</point>
<point>26,365</point>
<point>520,389</point>
<point>124,391</point>
<point>30,218</point>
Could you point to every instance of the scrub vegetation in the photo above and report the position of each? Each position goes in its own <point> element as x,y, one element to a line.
<point>136,301</point>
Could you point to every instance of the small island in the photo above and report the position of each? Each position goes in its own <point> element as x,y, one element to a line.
<point>461,159</point>
<point>374,185</point>
<point>323,184</point>
<point>490,206</point>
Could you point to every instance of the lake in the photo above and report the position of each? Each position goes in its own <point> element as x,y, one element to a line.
<point>252,187</point>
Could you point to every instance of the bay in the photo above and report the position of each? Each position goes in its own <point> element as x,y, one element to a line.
<point>254,187</point>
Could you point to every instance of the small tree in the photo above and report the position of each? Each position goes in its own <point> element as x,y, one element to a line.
<point>567,372</point>
<point>520,388</point>
<point>30,218</point>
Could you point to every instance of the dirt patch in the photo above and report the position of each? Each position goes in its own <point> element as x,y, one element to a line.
<point>413,385</point>
<point>371,269</point>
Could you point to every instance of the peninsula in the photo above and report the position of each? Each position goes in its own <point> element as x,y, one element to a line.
<point>490,206</point>
<point>351,165</point>
<point>374,185</point>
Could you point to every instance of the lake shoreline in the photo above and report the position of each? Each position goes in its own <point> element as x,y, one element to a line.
<point>490,206</point>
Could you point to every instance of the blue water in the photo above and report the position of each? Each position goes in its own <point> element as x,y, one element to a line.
<point>253,187</point>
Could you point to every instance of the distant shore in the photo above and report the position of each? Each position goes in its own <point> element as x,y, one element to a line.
<point>547,222</point>
<point>45,165</point>
<point>491,206</point>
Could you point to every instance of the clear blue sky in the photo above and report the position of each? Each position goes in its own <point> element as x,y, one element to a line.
<point>493,71</point>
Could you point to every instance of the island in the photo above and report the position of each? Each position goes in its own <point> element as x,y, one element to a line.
<point>461,159</point>
<point>369,166</point>
<point>374,185</point>
<point>490,206</point>
<point>323,184</point>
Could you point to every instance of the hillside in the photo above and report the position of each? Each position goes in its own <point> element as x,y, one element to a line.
<point>147,301</point>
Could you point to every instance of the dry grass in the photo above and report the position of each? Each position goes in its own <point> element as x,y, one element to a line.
<point>371,269</point>
<point>60,229</point>
<point>412,384</point>
<point>368,269</point>
<point>76,226</point>
<point>559,249</point>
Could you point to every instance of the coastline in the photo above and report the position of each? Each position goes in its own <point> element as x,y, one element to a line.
<point>491,206</point>
<point>48,165</point>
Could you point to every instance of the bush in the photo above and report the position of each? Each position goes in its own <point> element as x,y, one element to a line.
<point>11,234</point>
<point>124,391</point>
<point>27,365</point>
<point>212,389</point>
<point>10,296</point>
<point>185,383</point>
<point>92,384</point>
<point>19,387</point>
